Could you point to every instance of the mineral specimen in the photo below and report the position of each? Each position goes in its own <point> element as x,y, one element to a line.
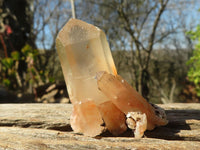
<point>137,121</point>
<point>101,99</point>
<point>83,51</point>
<point>140,114</point>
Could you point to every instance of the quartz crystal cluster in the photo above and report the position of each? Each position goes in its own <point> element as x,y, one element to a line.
<point>101,99</point>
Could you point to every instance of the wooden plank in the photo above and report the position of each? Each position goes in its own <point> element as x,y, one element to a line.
<point>26,126</point>
<point>48,116</point>
<point>31,139</point>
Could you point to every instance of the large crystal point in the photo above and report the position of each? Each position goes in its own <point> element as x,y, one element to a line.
<point>83,51</point>
<point>141,114</point>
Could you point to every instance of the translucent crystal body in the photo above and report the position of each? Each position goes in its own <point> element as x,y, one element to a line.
<point>128,100</point>
<point>83,51</point>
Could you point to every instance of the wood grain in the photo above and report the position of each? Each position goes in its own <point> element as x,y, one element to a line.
<point>47,126</point>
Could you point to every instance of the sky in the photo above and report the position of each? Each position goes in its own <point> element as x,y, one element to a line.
<point>190,11</point>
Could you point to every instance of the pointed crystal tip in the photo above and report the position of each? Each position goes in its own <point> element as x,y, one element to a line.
<point>75,31</point>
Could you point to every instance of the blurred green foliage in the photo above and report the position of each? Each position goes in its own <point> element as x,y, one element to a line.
<point>194,61</point>
<point>33,75</point>
<point>8,70</point>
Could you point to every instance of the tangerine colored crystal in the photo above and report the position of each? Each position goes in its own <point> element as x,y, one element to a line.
<point>98,94</point>
<point>83,51</point>
<point>128,100</point>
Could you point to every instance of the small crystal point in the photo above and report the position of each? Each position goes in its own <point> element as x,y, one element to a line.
<point>86,119</point>
<point>115,120</point>
<point>129,100</point>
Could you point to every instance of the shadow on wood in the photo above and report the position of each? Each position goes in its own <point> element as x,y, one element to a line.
<point>33,125</point>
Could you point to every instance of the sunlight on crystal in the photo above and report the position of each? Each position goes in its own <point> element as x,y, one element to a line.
<point>97,93</point>
<point>83,51</point>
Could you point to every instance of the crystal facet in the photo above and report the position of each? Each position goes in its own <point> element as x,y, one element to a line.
<point>83,51</point>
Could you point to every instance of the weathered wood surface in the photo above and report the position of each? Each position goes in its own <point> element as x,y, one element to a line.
<point>46,126</point>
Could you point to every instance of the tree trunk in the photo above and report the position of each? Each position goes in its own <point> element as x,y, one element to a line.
<point>144,84</point>
<point>18,15</point>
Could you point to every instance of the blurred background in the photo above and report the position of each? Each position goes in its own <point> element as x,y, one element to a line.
<point>155,45</point>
